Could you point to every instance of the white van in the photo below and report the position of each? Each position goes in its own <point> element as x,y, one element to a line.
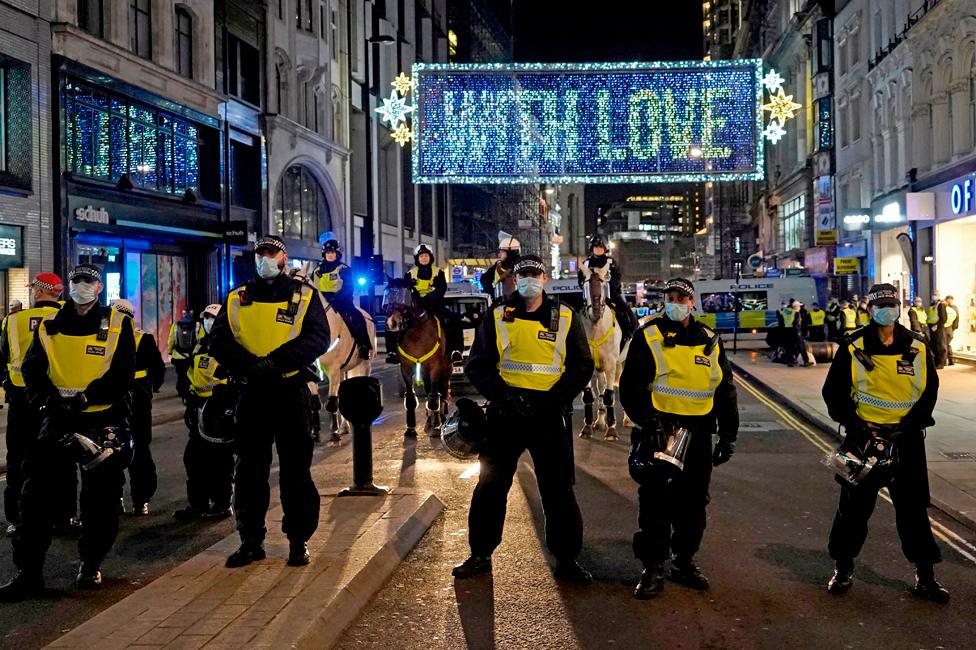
<point>759,300</point>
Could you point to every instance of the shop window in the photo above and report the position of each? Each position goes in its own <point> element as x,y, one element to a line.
<point>15,124</point>
<point>108,135</point>
<point>300,208</point>
<point>90,17</point>
<point>140,27</point>
<point>243,73</point>
<point>184,43</point>
<point>793,221</point>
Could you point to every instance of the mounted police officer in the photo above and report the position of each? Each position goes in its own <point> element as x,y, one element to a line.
<point>530,359</point>
<point>22,421</point>
<point>334,279</point>
<point>498,281</point>
<point>77,372</point>
<point>266,336</point>
<point>183,337</point>
<point>676,381</point>
<point>882,387</point>
<point>599,257</point>
<point>209,455</point>
<point>149,376</point>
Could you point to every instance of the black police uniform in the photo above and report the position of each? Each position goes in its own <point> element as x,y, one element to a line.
<point>23,424</point>
<point>100,487</point>
<point>520,420</point>
<point>277,410</point>
<point>499,269</point>
<point>142,469</point>
<point>910,486</point>
<point>937,335</point>
<point>342,301</point>
<point>625,315</point>
<point>671,515</point>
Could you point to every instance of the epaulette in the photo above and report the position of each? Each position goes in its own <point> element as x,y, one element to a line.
<point>712,335</point>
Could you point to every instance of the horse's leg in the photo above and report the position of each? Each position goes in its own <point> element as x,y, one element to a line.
<point>587,429</point>
<point>433,413</point>
<point>599,385</point>
<point>409,403</point>
<point>611,432</point>
<point>332,408</point>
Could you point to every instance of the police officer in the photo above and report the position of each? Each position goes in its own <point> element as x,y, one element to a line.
<point>429,287</point>
<point>267,335</point>
<point>676,375</point>
<point>952,322</point>
<point>833,319</point>
<point>77,372</point>
<point>498,281</point>
<point>183,337</point>
<point>149,376</point>
<point>814,321</point>
<point>918,318</point>
<point>334,279</point>
<point>883,383</point>
<point>848,318</point>
<point>790,320</point>
<point>599,257</point>
<point>937,318</point>
<point>530,386</point>
<point>863,315</point>
<point>209,463</point>
<point>22,421</point>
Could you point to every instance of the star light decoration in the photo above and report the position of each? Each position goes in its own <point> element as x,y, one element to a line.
<point>395,109</point>
<point>781,106</point>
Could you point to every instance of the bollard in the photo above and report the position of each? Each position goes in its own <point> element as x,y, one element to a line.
<point>361,402</point>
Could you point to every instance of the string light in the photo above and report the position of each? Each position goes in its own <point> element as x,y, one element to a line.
<point>774,132</point>
<point>402,84</point>
<point>402,134</point>
<point>781,106</point>
<point>394,109</point>
<point>773,81</point>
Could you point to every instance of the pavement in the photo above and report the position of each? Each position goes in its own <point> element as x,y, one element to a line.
<point>950,445</point>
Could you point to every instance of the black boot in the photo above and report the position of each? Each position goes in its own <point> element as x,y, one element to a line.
<point>25,585</point>
<point>298,554</point>
<point>89,576</point>
<point>571,571</point>
<point>246,554</point>
<point>651,583</point>
<point>686,572</point>
<point>473,566</point>
<point>843,578</point>
<point>927,587</point>
<point>391,347</point>
<point>187,514</point>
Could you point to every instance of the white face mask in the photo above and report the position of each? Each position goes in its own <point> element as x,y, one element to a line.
<point>207,324</point>
<point>267,266</point>
<point>529,287</point>
<point>83,293</point>
<point>677,311</point>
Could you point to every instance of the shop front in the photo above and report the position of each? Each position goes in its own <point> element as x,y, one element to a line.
<point>889,259</point>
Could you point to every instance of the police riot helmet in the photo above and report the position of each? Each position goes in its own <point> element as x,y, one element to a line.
<point>217,418</point>
<point>465,430</point>
<point>597,240</point>
<point>110,444</point>
<point>422,248</point>
<point>333,246</point>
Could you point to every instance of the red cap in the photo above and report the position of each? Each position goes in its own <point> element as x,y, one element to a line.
<point>48,281</point>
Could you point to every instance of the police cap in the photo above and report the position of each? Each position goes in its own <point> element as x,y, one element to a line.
<point>85,271</point>
<point>270,243</point>
<point>680,285</point>
<point>883,295</point>
<point>529,263</point>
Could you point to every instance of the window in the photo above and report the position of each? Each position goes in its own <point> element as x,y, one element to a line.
<point>824,125</point>
<point>90,17</point>
<point>323,31</point>
<point>108,135</point>
<point>842,57</point>
<point>824,45</point>
<point>309,13</point>
<point>184,43</point>
<point>335,36</point>
<point>854,49</point>
<point>281,89</point>
<point>243,73</point>
<point>855,114</point>
<point>16,146</point>
<point>301,211</point>
<point>793,221</point>
<point>842,125</point>
<point>245,166</point>
<point>140,27</point>
<point>281,9</point>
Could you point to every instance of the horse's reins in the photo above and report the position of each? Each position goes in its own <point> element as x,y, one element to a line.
<point>437,343</point>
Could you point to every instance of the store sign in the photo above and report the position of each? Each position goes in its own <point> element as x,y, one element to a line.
<point>825,237</point>
<point>890,213</point>
<point>11,247</point>
<point>846,265</point>
<point>857,220</point>
<point>235,233</point>
<point>521,123</point>
<point>826,231</point>
<point>92,215</point>
<point>963,195</point>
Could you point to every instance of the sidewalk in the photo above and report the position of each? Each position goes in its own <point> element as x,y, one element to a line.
<point>359,543</point>
<point>950,445</point>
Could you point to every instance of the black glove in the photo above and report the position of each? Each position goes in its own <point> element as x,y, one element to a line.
<point>75,404</point>
<point>723,451</point>
<point>653,434</point>
<point>263,370</point>
<point>516,404</point>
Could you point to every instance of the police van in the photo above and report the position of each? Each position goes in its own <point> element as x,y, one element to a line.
<point>758,298</point>
<point>469,305</point>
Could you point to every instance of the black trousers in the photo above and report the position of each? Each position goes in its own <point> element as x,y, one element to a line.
<point>910,495</point>
<point>277,414</point>
<point>550,444</point>
<point>42,497</point>
<point>937,338</point>
<point>142,469</point>
<point>22,428</point>
<point>815,334</point>
<point>209,471</point>
<point>352,317</point>
<point>671,511</point>
<point>182,366</point>
<point>948,345</point>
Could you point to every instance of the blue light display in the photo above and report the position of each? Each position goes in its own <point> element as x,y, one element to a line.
<point>588,123</point>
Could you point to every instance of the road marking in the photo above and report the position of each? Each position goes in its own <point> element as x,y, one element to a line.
<point>952,539</point>
<point>471,471</point>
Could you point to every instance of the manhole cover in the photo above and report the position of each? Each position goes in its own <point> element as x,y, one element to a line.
<point>959,455</point>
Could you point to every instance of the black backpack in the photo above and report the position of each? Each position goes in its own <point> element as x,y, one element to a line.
<point>186,335</point>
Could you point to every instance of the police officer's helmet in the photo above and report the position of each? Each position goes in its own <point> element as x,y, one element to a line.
<point>465,430</point>
<point>422,248</point>
<point>217,418</point>
<point>332,245</point>
<point>597,240</point>
<point>108,446</point>
<point>211,310</point>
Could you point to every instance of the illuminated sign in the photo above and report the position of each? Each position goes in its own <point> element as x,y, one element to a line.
<point>890,213</point>
<point>961,197</point>
<point>11,247</point>
<point>856,221</point>
<point>587,123</point>
<point>846,265</point>
<point>92,215</point>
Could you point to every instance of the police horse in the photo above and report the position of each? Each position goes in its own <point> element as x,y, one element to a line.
<point>422,346</point>
<point>341,360</point>
<point>603,335</point>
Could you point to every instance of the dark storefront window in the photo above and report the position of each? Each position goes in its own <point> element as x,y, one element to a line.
<point>15,124</point>
<point>140,27</point>
<point>243,71</point>
<point>108,135</point>
<point>301,210</point>
<point>90,17</point>
<point>245,172</point>
<point>184,44</point>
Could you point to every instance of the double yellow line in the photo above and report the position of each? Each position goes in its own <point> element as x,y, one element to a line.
<point>948,536</point>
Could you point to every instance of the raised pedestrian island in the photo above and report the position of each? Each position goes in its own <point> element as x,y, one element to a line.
<point>201,604</point>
